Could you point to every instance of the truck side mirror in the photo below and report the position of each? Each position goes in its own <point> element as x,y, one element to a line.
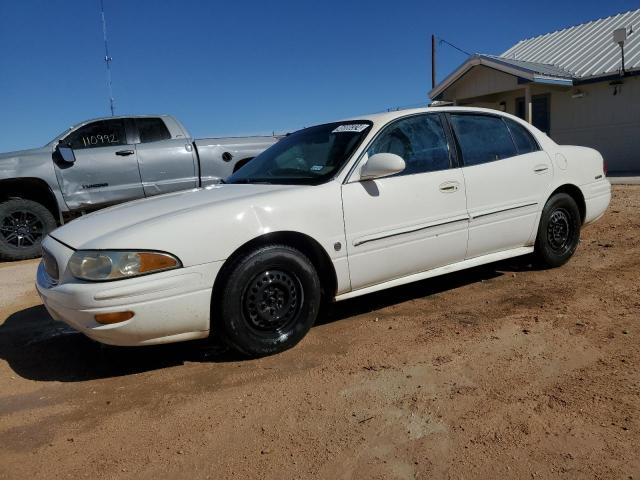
<point>66,153</point>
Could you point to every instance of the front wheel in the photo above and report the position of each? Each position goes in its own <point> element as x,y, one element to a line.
<point>23,226</point>
<point>559,231</point>
<point>269,301</point>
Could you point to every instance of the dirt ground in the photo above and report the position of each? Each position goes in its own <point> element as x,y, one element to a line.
<point>498,372</point>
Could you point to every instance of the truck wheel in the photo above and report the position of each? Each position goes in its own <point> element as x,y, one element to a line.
<point>23,226</point>
<point>270,300</point>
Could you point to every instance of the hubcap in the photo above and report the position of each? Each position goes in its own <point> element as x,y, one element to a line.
<point>22,229</point>
<point>272,300</point>
<point>559,231</point>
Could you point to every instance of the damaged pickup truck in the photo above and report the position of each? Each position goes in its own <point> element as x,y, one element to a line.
<point>103,162</point>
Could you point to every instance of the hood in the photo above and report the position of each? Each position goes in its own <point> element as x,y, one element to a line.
<point>22,153</point>
<point>110,228</point>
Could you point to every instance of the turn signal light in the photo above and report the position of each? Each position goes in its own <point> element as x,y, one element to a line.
<point>115,317</point>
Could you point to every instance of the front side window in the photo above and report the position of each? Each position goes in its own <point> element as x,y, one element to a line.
<point>482,138</point>
<point>419,140</point>
<point>524,140</point>
<point>308,157</point>
<point>103,133</point>
<point>152,130</point>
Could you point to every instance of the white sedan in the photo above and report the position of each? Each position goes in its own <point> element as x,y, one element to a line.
<point>329,213</point>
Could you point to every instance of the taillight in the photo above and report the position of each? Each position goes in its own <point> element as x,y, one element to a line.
<point>605,167</point>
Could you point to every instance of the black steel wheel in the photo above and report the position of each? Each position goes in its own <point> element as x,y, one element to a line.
<point>23,226</point>
<point>269,300</point>
<point>559,231</point>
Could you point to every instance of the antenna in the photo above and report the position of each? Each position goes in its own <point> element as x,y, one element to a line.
<point>107,58</point>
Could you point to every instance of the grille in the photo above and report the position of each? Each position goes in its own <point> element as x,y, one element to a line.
<point>50,265</point>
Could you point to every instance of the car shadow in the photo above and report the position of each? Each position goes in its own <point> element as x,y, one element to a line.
<point>36,347</point>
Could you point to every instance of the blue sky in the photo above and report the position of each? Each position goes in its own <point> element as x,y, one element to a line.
<point>241,67</point>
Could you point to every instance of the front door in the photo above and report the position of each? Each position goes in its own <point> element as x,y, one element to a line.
<point>106,169</point>
<point>506,174</point>
<point>540,111</point>
<point>413,221</point>
<point>166,164</point>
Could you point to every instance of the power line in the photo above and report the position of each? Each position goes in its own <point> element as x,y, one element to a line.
<point>107,58</point>
<point>442,40</point>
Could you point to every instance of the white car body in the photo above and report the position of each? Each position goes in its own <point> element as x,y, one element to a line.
<point>373,235</point>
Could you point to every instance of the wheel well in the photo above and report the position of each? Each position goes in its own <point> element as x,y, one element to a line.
<point>304,243</point>
<point>575,193</point>
<point>30,189</point>
<point>241,163</point>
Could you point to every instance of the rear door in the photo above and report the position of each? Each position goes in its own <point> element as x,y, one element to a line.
<point>413,221</point>
<point>506,175</point>
<point>106,169</point>
<point>166,164</point>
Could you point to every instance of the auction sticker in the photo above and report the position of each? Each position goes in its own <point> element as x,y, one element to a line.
<point>351,127</point>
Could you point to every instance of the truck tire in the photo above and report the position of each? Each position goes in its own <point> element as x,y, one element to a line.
<point>23,226</point>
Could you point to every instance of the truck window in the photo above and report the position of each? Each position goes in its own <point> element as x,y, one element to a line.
<point>152,130</point>
<point>103,133</point>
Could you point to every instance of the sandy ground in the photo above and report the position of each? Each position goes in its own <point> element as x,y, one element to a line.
<point>497,372</point>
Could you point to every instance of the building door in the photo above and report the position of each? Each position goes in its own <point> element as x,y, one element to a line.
<point>541,111</point>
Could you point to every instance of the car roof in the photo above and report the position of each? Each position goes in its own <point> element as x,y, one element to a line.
<point>385,117</point>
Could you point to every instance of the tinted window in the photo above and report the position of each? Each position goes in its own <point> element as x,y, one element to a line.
<point>524,140</point>
<point>152,130</point>
<point>104,133</point>
<point>419,140</point>
<point>482,138</point>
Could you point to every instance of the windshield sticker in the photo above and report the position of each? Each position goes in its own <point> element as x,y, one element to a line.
<point>352,127</point>
<point>316,168</point>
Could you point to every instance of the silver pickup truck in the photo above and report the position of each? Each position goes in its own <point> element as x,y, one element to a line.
<point>102,162</point>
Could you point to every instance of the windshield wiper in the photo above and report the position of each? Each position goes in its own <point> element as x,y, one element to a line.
<point>252,181</point>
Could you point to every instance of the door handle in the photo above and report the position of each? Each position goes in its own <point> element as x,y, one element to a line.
<point>541,168</point>
<point>124,153</point>
<point>449,187</point>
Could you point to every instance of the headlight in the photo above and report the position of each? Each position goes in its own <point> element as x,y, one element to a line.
<point>103,265</point>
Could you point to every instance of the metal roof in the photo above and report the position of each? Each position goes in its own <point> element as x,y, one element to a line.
<point>533,67</point>
<point>583,51</point>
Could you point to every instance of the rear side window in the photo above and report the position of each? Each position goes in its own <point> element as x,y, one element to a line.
<point>419,140</point>
<point>104,133</point>
<point>152,130</point>
<point>482,138</point>
<point>524,140</point>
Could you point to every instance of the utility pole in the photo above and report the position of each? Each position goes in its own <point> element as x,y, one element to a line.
<point>107,58</point>
<point>433,61</point>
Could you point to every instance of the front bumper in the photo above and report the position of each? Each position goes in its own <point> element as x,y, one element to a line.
<point>168,307</point>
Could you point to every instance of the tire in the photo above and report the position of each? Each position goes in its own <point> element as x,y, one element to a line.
<point>23,226</point>
<point>269,301</point>
<point>558,232</point>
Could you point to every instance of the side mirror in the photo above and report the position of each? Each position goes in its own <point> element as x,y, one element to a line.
<point>382,165</point>
<point>66,153</point>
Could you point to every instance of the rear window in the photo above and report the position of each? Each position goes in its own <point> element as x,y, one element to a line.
<point>482,138</point>
<point>152,130</point>
<point>524,140</point>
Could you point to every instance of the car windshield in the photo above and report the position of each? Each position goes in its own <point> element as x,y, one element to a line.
<point>308,157</point>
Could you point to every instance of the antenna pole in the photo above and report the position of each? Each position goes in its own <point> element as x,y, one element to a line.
<point>107,58</point>
<point>433,61</point>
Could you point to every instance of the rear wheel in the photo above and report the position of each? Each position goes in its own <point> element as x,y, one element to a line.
<point>269,301</point>
<point>23,226</point>
<point>559,231</point>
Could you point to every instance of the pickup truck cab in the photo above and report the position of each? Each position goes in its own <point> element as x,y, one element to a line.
<point>103,162</point>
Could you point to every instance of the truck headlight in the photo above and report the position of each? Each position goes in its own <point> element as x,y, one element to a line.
<point>103,265</point>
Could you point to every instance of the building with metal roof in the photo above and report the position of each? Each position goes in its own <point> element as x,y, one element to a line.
<point>580,85</point>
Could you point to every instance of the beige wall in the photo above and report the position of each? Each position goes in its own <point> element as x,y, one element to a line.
<point>609,123</point>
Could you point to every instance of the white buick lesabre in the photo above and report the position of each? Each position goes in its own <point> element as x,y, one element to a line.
<point>330,212</point>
